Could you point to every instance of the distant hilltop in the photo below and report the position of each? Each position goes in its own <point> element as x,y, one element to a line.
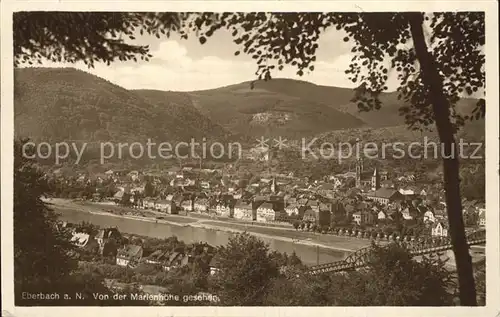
<point>66,103</point>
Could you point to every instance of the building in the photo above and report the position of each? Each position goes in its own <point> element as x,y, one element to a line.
<point>313,204</point>
<point>107,237</point>
<point>327,190</point>
<point>224,209</point>
<point>381,215</point>
<point>200,205</point>
<point>292,210</point>
<point>366,178</point>
<point>429,216</point>
<point>129,256</point>
<point>214,266</point>
<point>309,215</point>
<point>80,239</point>
<point>166,205</point>
<point>357,218</point>
<point>148,203</point>
<point>385,196</point>
<point>265,212</point>
<point>176,259</point>
<point>187,205</point>
<point>440,229</point>
<point>244,211</point>
<point>482,217</point>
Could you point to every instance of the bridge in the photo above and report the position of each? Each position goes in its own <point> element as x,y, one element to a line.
<point>361,257</point>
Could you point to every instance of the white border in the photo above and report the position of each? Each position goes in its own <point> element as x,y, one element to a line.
<point>492,154</point>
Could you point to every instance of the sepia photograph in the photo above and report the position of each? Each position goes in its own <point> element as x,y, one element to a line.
<point>254,158</point>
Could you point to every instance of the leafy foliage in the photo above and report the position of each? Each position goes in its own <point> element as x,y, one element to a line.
<point>246,269</point>
<point>381,43</point>
<point>42,35</point>
<point>41,251</point>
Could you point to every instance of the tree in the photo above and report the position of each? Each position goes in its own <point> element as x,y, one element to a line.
<point>433,77</point>
<point>149,189</point>
<point>473,185</point>
<point>125,200</point>
<point>246,269</point>
<point>41,251</point>
<point>394,278</point>
<point>100,36</point>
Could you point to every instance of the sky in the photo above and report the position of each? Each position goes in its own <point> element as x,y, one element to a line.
<point>187,65</point>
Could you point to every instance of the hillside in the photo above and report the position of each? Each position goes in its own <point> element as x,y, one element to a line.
<point>336,98</point>
<point>68,104</point>
<point>265,111</point>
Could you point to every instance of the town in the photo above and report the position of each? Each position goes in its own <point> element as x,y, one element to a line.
<point>361,204</point>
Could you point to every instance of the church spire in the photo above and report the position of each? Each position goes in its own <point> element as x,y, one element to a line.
<point>274,186</point>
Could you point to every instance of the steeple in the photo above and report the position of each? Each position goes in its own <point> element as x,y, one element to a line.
<point>375,179</point>
<point>274,186</point>
<point>359,171</point>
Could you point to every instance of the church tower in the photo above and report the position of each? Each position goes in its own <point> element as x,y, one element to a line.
<point>274,186</point>
<point>359,171</point>
<point>375,179</point>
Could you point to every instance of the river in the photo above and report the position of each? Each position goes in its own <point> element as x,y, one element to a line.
<point>310,255</point>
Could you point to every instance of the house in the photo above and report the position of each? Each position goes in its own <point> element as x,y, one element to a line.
<point>108,239</point>
<point>482,217</point>
<point>148,203</point>
<point>205,184</point>
<point>309,215</point>
<point>129,256</point>
<point>166,205</point>
<point>407,192</point>
<point>368,217</point>
<point>313,204</point>
<point>244,211</point>
<point>292,210</point>
<point>408,213</point>
<point>168,260</point>
<point>385,196</point>
<point>429,216</point>
<point>387,184</point>
<point>109,173</point>
<point>214,266</point>
<point>158,257</point>
<point>357,217</point>
<point>381,215</point>
<point>118,196</point>
<point>224,209</point>
<point>327,190</point>
<point>265,212</point>
<point>335,181</point>
<point>80,239</point>
<point>176,259</point>
<point>187,205</point>
<point>440,229</point>
<point>200,205</point>
<point>134,175</point>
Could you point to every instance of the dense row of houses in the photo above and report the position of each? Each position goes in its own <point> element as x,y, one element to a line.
<point>362,197</point>
<point>108,242</point>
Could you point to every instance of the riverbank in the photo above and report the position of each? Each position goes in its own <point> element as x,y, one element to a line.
<point>336,243</point>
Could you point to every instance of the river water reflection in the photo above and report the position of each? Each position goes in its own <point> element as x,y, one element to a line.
<point>309,254</point>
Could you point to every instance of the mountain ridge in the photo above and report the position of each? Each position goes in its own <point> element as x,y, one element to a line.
<point>66,103</point>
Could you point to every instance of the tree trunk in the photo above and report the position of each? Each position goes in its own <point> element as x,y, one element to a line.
<point>441,109</point>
